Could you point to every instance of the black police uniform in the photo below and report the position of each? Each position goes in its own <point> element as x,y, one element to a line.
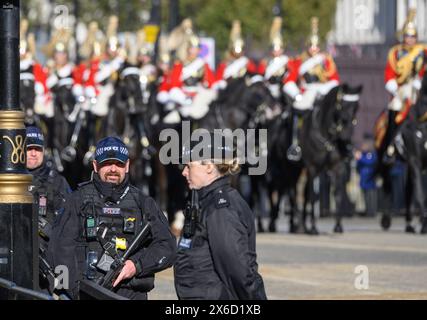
<point>219,260</point>
<point>49,190</point>
<point>48,185</point>
<point>111,206</point>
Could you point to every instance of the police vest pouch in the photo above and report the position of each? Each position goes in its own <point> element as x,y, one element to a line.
<point>129,225</point>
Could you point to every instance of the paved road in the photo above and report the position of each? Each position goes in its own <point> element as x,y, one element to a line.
<point>393,264</point>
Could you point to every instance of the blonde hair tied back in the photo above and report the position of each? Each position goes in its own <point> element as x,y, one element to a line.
<point>227,166</point>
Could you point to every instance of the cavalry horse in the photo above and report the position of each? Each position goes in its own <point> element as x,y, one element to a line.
<point>283,173</point>
<point>411,146</point>
<point>243,105</point>
<point>326,144</point>
<point>60,131</point>
<point>128,120</point>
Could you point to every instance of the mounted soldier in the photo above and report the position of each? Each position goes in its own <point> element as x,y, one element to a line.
<point>35,97</point>
<point>107,57</point>
<point>403,74</point>
<point>236,64</point>
<point>276,69</point>
<point>191,77</point>
<point>65,81</point>
<point>313,75</point>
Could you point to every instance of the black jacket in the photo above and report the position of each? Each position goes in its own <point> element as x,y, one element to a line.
<point>49,190</point>
<point>221,261</point>
<point>69,245</point>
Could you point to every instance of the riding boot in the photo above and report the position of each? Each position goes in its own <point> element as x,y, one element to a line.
<point>294,151</point>
<point>389,149</point>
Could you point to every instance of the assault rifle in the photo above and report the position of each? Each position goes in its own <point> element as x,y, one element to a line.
<point>119,262</point>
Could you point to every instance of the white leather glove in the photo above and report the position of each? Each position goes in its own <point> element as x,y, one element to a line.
<point>90,92</point>
<point>291,89</point>
<point>178,96</point>
<point>162,97</point>
<point>391,86</point>
<point>417,84</point>
<point>328,86</point>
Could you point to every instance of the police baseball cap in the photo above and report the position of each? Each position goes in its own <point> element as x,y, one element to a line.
<point>35,137</point>
<point>208,146</point>
<point>111,148</point>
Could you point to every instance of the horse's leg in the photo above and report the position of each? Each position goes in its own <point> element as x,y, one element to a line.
<point>315,188</point>
<point>176,191</point>
<point>311,199</point>
<point>388,198</point>
<point>418,193</point>
<point>408,200</point>
<point>302,222</point>
<point>339,196</point>
<point>293,213</point>
<point>274,196</point>
<point>257,189</point>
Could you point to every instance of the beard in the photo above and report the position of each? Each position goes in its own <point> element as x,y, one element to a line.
<point>112,177</point>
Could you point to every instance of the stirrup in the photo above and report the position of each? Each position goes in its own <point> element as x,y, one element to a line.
<point>294,153</point>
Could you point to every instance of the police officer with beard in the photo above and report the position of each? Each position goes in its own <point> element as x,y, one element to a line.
<point>109,202</point>
<point>49,189</point>
<point>216,252</point>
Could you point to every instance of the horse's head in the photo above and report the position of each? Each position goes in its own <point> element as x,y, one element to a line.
<point>260,103</point>
<point>64,98</point>
<point>129,89</point>
<point>27,97</point>
<point>344,117</point>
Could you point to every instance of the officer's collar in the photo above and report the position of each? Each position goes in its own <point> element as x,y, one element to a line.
<point>216,184</point>
<point>42,171</point>
<point>111,191</point>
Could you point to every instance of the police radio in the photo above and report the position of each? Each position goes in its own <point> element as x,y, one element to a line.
<point>90,227</point>
<point>191,215</point>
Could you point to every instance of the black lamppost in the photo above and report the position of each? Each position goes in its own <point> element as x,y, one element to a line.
<point>18,237</point>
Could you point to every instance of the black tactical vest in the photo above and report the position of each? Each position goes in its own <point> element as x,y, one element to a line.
<point>113,215</point>
<point>117,217</point>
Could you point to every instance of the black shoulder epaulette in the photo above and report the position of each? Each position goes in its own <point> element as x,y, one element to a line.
<point>221,200</point>
<point>132,188</point>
